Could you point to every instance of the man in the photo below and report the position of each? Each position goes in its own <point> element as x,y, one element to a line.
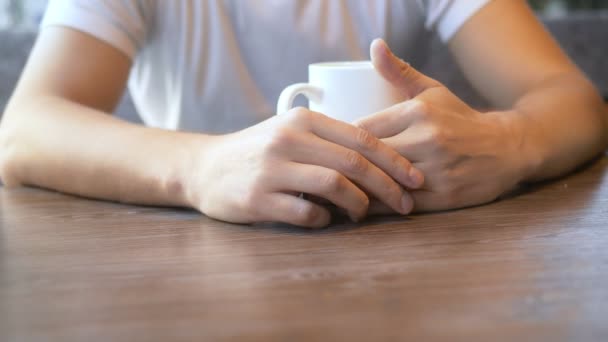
<point>216,67</point>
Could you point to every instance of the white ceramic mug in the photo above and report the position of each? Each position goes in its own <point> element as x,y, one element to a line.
<point>345,91</point>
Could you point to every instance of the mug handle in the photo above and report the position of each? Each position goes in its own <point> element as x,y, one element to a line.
<point>288,94</point>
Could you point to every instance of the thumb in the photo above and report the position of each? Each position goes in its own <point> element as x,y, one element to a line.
<point>397,72</point>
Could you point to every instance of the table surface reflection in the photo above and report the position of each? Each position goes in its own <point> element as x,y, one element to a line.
<point>532,266</point>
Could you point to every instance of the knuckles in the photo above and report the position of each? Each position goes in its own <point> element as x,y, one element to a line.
<point>300,116</point>
<point>438,137</point>
<point>289,131</point>
<point>419,109</point>
<point>399,162</point>
<point>354,163</point>
<point>331,182</point>
<point>365,140</point>
<point>280,139</point>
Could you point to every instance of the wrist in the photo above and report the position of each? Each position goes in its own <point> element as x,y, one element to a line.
<point>523,145</point>
<point>179,183</point>
<point>183,183</point>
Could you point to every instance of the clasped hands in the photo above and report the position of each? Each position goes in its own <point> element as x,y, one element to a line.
<point>431,152</point>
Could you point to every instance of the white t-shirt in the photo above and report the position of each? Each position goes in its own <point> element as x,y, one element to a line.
<point>218,66</point>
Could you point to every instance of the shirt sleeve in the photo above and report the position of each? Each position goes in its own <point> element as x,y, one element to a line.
<point>120,23</point>
<point>447,16</point>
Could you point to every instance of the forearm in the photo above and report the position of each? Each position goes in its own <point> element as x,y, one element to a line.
<point>557,126</point>
<point>57,144</point>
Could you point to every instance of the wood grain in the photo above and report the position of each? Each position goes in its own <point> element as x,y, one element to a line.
<point>533,266</point>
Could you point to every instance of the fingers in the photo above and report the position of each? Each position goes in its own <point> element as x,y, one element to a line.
<point>378,208</point>
<point>393,120</point>
<point>354,166</point>
<point>383,158</point>
<point>399,73</point>
<point>294,210</point>
<point>324,183</point>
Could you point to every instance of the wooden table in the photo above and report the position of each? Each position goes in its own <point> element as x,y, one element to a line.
<point>533,266</point>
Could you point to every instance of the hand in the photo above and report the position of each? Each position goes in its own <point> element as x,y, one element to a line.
<point>257,174</point>
<point>467,157</point>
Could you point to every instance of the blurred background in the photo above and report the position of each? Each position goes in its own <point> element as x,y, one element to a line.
<point>26,14</point>
<point>562,7</point>
<point>580,26</point>
<point>21,14</point>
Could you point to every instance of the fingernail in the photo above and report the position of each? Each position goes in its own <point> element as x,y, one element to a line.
<point>406,204</point>
<point>416,177</point>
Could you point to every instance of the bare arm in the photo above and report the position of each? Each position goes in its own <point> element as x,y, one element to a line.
<point>56,134</point>
<point>550,117</point>
<point>511,59</point>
